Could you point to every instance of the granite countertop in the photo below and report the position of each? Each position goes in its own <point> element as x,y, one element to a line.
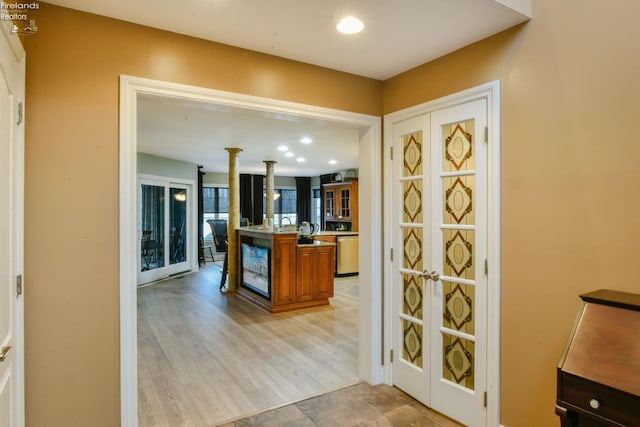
<point>266,230</point>
<point>335,233</point>
<point>315,243</point>
<point>289,230</point>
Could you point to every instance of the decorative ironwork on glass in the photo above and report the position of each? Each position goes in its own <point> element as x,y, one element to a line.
<point>458,361</point>
<point>458,146</point>
<point>458,200</point>
<point>458,307</point>
<point>458,253</point>
<point>412,248</point>
<point>412,205</point>
<point>412,154</point>
<point>412,295</point>
<point>412,343</point>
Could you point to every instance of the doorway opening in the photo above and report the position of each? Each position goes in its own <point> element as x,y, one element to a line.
<point>370,163</point>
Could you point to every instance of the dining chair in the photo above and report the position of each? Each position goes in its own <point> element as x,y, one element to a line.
<point>202,255</point>
<point>219,232</point>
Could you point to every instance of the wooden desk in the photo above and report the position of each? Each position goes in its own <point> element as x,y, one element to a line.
<point>599,371</point>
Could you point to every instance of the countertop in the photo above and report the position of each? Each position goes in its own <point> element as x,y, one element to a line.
<point>288,230</point>
<point>266,230</point>
<point>315,243</point>
<point>335,233</point>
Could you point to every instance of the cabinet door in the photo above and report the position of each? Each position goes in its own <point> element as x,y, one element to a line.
<point>323,262</point>
<point>329,239</point>
<point>330,204</point>
<point>344,195</point>
<point>283,285</point>
<point>305,274</point>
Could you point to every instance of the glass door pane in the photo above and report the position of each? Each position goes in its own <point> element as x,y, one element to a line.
<point>152,227</point>
<point>177,225</point>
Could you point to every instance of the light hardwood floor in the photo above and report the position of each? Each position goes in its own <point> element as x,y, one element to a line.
<point>205,357</point>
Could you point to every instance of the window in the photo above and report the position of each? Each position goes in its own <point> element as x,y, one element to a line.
<point>215,201</point>
<point>284,206</point>
<point>315,206</point>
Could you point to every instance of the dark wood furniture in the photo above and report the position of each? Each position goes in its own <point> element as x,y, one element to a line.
<point>219,233</point>
<point>301,275</point>
<point>341,205</point>
<point>599,371</point>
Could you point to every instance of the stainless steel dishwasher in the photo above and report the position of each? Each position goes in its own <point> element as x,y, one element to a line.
<point>347,253</point>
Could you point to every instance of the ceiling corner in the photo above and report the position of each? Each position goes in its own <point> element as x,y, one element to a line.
<point>521,6</point>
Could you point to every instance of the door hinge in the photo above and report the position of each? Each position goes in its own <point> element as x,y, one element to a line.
<point>391,254</point>
<point>391,150</point>
<point>19,284</point>
<point>486,267</point>
<point>19,112</point>
<point>391,356</point>
<point>485,399</point>
<point>486,134</point>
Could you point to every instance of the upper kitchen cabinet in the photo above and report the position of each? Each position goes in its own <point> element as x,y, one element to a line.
<point>341,205</point>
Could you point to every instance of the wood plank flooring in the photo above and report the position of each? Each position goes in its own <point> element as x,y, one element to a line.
<point>205,357</point>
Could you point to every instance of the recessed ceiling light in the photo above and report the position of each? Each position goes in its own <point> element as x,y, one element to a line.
<point>306,140</point>
<point>333,162</point>
<point>289,154</point>
<point>300,160</point>
<point>283,148</point>
<point>350,25</point>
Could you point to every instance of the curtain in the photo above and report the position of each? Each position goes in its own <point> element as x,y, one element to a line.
<point>257,211</point>
<point>246,204</point>
<point>200,227</point>
<point>303,198</point>
<point>324,179</point>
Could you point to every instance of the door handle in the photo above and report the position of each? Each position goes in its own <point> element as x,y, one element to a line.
<point>4,352</point>
<point>430,275</point>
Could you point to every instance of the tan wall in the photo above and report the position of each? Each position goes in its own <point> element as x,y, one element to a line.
<point>570,174</point>
<point>570,199</point>
<point>71,241</point>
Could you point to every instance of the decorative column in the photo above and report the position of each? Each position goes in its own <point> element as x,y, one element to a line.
<point>234,218</point>
<point>270,189</point>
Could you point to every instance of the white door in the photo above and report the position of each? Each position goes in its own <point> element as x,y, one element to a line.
<point>11,231</point>
<point>440,286</point>
<point>164,229</point>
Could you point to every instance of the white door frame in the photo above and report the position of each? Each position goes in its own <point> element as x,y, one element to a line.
<point>490,92</point>
<point>370,199</point>
<point>17,217</point>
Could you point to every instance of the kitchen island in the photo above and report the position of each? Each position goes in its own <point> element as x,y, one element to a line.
<point>278,274</point>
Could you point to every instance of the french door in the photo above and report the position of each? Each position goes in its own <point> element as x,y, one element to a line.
<point>165,245</point>
<point>440,285</point>
<point>12,69</point>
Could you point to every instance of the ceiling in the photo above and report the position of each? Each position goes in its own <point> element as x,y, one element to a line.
<point>198,132</point>
<point>398,35</point>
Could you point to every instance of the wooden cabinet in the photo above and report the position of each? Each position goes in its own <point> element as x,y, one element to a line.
<point>299,276</point>
<point>341,205</point>
<point>283,264</point>
<point>315,272</point>
<point>599,371</point>
<point>329,239</point>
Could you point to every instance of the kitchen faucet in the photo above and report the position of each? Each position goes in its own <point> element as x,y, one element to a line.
<point>283,218</point>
